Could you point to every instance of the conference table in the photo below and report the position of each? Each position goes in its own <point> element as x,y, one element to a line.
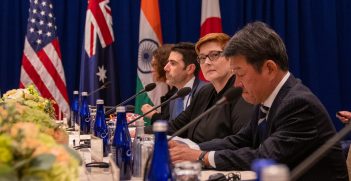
<point>112,173</point>
<point>108,174</point>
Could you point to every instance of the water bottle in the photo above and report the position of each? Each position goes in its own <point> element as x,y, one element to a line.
<point>74,111</point>
<point>276,172</point>
<point>84,114</point>
<point>111,125</point>
<point>259,164</point>
<point>121,145</point>
<point>160,168</point>
<point>137,152</point>
<point>100,126</point>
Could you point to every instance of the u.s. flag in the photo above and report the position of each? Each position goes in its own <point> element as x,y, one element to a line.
<point>98,72</point>
<point>41,61</point>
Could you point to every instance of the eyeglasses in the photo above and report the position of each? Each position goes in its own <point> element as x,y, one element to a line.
<point>212,56</point>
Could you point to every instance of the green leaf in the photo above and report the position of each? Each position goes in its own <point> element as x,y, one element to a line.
<point>7,173</point>
<point>74,154</point>
<point>30,178</point>
<point>41,162</point>
<point>21,163</point>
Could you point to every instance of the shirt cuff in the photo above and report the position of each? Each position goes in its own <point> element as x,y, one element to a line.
<point>188,142</point>
<point>211,159</point>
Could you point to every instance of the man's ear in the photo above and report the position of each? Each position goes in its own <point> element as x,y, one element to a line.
<point>271,66</point>
<point>191,69</point>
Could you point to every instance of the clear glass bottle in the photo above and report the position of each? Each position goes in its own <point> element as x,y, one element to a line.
<point>121,145</point>
<point>100,126</point>
<point>277,172</point>
<point>259,164</point>
<point>160,168</point>
<point>137,152</point>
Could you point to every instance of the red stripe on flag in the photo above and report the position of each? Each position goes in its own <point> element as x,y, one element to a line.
<point>33,74</point>
<point>56,45</point>
<point>56,107</point>
<point>108,11</point>
<point>43,57</point>
<point>101,21</point>
<point>211,25</point>
<point>91,40</point>
<point>21,85</point>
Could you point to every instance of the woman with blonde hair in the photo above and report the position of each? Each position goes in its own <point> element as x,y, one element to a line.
<point>229,118</point>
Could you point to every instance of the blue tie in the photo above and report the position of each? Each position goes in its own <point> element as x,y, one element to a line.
<point>262,123</point>
<point>178,107</point>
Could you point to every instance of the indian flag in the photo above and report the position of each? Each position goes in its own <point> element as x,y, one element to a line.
<point>150,38</point>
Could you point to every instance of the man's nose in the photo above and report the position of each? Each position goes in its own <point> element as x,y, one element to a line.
<point>166,67</point>
<point>238,83</point>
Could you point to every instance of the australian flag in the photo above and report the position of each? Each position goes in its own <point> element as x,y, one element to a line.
<point>98,71</point>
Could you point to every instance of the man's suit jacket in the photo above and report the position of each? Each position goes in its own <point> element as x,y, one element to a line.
<point>164,114</point>
<point>221,122</point>
<point>198,84</point>
<point>166,109</point>
<point>298,124</point>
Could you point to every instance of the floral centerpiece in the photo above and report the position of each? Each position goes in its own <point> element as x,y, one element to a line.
<point>29,97</point>
<point>28,146</point>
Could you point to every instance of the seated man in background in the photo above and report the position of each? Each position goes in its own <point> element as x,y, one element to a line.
<point>181,70</point>
<point>289,122</point>
<point>224,120</point>
<point>159,60</point>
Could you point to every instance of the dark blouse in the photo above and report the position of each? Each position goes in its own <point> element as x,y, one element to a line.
<point>226,120</point>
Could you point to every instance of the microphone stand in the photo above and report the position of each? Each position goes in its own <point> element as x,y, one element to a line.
<point>102,87</point>
<point>181,130</point>
<point>318,154</point>
<point>181,93</point>
<point>154,108</point>
<point>122,103</point>
<point>228,96</point>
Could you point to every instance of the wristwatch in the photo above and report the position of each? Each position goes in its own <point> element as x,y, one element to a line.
<point>202,158</point>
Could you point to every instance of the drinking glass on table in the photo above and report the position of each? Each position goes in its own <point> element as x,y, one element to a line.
<point>187,170</point>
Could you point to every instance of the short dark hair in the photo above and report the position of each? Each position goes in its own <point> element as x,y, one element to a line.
<point>161,55</point>
<point>187,50</point>
<point>258,43</point>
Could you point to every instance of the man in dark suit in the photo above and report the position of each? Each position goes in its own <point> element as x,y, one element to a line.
<point>289,122</point>
<point>181,71</point>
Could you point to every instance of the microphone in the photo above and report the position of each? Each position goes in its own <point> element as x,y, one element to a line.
<point>181,93</point>
<point>148,87</point>
<point>229,95</point>
<point>318,154</point>
<point>105,85</point>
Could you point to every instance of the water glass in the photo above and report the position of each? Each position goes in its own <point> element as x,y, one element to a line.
<point>187,170</point>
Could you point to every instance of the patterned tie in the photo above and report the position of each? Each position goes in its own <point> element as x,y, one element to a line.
<point>262,123</point>
<point>178,107</point>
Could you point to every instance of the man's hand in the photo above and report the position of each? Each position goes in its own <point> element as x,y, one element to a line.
<point>181,152</point>
<point>344,116</point>
<point>146,108</point>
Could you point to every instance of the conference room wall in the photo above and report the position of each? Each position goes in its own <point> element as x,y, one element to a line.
<point>316,33</point>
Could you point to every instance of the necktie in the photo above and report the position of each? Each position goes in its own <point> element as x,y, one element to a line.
<point>178,107</point>
<point>262,123</point>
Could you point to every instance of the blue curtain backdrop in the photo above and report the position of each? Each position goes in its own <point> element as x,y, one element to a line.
<point>316,32</point>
